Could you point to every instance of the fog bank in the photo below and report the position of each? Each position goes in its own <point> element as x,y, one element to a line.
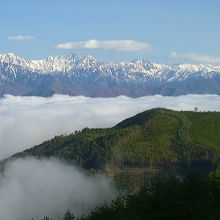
<point>27,121</point>
<point>34,188</point>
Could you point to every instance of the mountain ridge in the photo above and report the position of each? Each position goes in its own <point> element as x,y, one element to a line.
<point>156,140</point>
<point>86,75</point>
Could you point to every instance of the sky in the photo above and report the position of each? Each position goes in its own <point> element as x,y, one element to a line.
<point>160,31</point>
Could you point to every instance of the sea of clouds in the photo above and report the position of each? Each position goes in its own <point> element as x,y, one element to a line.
<point>31,188</point>
<point>27,121</point>
<point>34,188</point>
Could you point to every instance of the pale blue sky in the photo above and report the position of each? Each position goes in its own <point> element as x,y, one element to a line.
<point>190,28</point>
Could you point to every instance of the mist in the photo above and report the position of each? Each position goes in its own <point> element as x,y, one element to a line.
<point>27,121</point>
<point>35,188</point>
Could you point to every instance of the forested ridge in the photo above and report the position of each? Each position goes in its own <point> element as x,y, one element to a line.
<point>154,141</point>
<point>149,157</point>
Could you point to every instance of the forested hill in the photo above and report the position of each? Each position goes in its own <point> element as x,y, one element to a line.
<point>154,140</point>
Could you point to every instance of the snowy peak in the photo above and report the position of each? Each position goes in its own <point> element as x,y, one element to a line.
<point>51,64</point>
<point>48,65</point>
<point>75,75</point>
<point>12,59</point>
<point>131,69</point>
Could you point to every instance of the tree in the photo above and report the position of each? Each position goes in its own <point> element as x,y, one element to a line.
<point>45,218</point>
<point>68,216</point>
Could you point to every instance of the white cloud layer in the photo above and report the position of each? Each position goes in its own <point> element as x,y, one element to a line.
<point>196,57</point>
<point>35,188</point>
<point>117,45</point>
<point>21,38</point>
<point>27,121</point>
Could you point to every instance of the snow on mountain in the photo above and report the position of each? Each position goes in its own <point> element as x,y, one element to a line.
<point>140,74</point>
<point>66,64</point>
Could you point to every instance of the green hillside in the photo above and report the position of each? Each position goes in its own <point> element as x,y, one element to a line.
<point>140,146</point>
<point>196,197</point>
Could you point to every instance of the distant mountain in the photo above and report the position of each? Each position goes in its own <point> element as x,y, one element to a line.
<point>150,142</point>
<point>88,76</point>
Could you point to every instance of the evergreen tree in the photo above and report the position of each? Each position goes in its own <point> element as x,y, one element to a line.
<point>46,218</point>
<point>68,216</point>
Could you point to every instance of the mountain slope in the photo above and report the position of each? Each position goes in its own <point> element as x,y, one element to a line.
<point>152,141</point>
<point>152,136</point>
<point>88,76</point>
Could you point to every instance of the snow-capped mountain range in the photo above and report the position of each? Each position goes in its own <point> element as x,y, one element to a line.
<point>88,76</point>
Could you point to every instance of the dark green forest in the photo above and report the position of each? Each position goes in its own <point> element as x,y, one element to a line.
<point>196,197</point>
<point>157,140</point>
